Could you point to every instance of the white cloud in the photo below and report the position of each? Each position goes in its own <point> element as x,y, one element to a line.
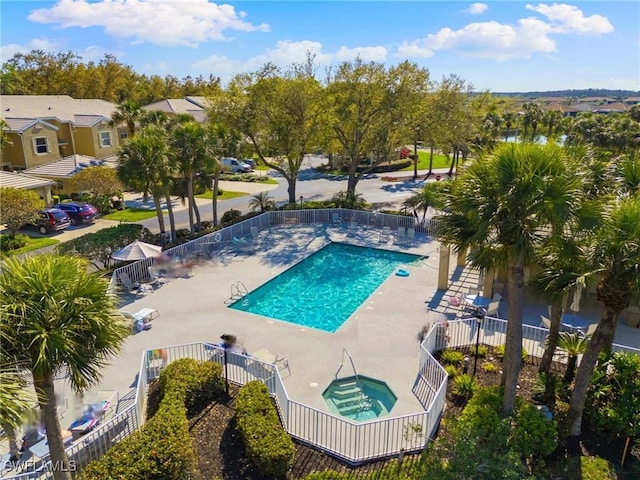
<point>570,19</point>
<point>368,54</point>
<point>161,22</point>
<point>485,39</point>
<point>285,53</point>
<point>157,68</point>
<point>477,8</point>
<point>502,41</point>
<point>8,51</point>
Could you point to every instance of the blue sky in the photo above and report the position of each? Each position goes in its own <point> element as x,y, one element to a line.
<point>499,46</point>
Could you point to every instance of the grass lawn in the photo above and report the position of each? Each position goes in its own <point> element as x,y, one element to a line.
<point>226,195</point>
<point>32,244</point>
<point>131,215</point>
<point>439,161</point>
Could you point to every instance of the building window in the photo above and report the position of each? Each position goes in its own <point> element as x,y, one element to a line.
<point>123,135</point>
<point>41,145</point>
<point>105,139</point>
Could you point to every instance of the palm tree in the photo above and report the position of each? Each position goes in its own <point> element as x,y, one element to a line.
<point>509,119</point>
<point>143,164</point>
<point>189,152</point>
<point>15,402</point>
<point>129,113</point>
<point>615,256</point>
<point>573,344</point>
<point>262,202</point>
<point>500,208</point>
<point>58,317</point>
<point>430,196</point>
<point>220,142</point>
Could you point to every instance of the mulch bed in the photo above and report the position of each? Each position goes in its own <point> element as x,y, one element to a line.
<point>221,454</point>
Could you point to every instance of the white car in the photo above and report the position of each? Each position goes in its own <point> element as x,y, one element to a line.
<point>234,165</point>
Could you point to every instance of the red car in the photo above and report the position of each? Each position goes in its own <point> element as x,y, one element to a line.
<point>79,212</point>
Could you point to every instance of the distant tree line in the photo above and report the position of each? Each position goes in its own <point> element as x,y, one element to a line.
<point>64,73</point>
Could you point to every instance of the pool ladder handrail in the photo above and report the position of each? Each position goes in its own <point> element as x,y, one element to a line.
<point>238,290</point>
<point>358,382</point>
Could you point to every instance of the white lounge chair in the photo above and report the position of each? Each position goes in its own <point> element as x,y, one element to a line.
<point>133,287</point>
<point>493,310</point>
<point>281,362</point>
<point>545,322</point>
<point>336,220</point>
<point>411,234</point>
<point>385,234</point>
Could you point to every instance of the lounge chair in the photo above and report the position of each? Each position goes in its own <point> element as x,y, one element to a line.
<point>411,234</point>
<point>281,362</point>
<point>545,322</point>
<point>254,232</point>
<point>336,220</point>
<point>384,235</point>
<point>131,286</point>
<point>493,310</point>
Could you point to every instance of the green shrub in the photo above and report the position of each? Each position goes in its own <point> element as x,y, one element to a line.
<point>452,357</point>
<point>230,216</point>
<point>561,415</point>
<point>613,398</point>
<point>489,367</point>
<point>163,447</point>
<point>481,352</point>
<point>464,385</point>
<point>452,371</point>
<point>98,246</point>
<point>12,242</point>
<point>595,468</point>
<point>532,434</point>
<point>267,444</point>
<point>194,382</point>
<point>525,355</point>
<point>499,352</point>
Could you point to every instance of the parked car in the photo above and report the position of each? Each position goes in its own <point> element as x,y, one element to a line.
<point>52,220</point>
<point>234,165</point>
<point>79,212</point>
<point>250,161</point>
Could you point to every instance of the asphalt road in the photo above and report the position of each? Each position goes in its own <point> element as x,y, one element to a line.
<point>312,186</point>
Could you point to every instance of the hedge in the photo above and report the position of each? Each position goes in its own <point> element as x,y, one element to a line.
<point>267,444</point>
<point>163,447</point>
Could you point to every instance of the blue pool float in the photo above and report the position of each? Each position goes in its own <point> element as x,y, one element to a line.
<point>402,273</point>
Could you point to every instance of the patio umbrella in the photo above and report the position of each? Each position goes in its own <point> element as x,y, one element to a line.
<point>137,251</point>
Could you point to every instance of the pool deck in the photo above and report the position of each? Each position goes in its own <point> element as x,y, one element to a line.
<point>381,336</point>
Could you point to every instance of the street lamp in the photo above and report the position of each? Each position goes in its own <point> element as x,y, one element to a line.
<point>228,341</point>
<point>301,200</point>
<point>479,319</point>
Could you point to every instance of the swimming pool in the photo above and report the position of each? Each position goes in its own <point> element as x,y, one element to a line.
<point>323,290</point>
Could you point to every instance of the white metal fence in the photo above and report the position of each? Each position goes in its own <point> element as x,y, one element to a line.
<point>348,440</point>
<point>208,244</point>
<point>353,442</point>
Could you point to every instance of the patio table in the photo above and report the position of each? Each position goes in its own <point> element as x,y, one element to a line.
<point>477,301</point>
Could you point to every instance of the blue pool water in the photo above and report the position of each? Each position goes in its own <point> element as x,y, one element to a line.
<point>324,289</point>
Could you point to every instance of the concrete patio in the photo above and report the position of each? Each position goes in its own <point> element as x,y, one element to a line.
<point>381,336</point>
